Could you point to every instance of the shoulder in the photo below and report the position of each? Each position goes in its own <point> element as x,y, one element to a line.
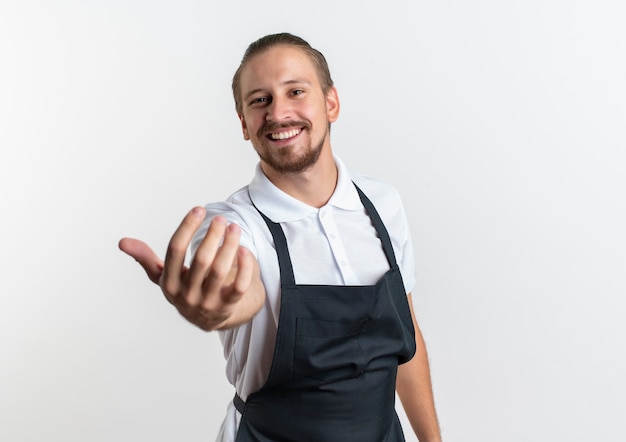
<point>383,195</point>
<point>237,208</point>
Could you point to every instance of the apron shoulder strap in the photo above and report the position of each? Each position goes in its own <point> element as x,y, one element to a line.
<point>379,226</point>
<point>280,243</point>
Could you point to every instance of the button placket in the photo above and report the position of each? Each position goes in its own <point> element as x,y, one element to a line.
<point>336,245</point>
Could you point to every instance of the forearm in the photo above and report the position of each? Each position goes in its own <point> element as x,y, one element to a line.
<point>415,391</point>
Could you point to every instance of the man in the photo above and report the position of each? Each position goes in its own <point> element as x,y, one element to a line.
<point>306,272</point>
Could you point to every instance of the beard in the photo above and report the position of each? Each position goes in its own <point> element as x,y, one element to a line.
<point>282,159</point>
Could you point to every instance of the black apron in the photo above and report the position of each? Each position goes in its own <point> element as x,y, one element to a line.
<point>337,351</point>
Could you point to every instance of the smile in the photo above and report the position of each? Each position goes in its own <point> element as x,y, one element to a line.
<point>285,135</point>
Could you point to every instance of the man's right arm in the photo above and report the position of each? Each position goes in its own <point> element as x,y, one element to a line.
<point>220,289</point>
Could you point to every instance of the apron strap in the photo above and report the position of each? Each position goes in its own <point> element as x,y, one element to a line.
<point>239,403</point>
<point>287,279</point>
<point>379,226</point>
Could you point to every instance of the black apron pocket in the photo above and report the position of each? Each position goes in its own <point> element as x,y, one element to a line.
<point>328,350</point>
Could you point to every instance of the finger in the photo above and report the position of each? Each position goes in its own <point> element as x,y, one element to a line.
<point>245,271</point>
<point>224,261</point>
<point>151,263</point>
<point>204,257</point>
<point>177,250</point>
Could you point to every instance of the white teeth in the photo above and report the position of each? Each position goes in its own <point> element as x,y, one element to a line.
<point>285,135</point>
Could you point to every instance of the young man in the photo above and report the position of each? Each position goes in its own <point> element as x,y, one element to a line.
<point>306,272</point>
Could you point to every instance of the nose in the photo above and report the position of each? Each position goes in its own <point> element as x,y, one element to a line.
<point>278,110</point>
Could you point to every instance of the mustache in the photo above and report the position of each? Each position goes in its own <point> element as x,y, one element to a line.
<point>271,127</point>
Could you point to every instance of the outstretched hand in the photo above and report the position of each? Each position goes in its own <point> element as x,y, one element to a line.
<point>220,289</point>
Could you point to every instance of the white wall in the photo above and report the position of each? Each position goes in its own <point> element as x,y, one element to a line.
<point>501,123</point>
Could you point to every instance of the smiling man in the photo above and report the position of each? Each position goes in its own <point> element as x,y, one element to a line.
<point>306,272</point>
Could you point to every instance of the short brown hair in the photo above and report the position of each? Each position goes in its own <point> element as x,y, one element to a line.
<point>269,41</point>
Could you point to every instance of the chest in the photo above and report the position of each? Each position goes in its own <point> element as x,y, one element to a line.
<point>337,247</point>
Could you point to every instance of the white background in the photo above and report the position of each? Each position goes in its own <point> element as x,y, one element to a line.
<point>502,123</point>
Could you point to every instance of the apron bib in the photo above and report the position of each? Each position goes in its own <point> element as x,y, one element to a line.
<point>335,360</point>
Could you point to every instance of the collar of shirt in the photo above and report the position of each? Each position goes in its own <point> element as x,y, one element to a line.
<point>281,207</point>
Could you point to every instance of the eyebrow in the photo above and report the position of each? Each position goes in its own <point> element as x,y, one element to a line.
<point>284,83</point>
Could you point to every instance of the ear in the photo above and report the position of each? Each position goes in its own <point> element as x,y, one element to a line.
<point>244,127</point>
<point>332,105</point>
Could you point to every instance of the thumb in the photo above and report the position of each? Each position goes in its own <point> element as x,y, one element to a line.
<point>143,254</point>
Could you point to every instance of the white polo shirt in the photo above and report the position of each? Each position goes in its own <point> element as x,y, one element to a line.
<point>333,245</point>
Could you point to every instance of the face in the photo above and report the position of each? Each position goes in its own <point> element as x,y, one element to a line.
<point>285,113</point>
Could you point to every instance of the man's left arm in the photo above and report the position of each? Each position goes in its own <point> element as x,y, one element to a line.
<point>415,390</point>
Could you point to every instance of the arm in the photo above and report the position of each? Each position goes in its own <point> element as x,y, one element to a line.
<point>221,288</point>
<point>415,391</point>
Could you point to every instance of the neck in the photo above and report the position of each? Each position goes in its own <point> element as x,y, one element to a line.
<point>313,186</point>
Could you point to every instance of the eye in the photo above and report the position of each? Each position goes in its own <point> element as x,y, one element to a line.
<point>297,92</point>
<point>260,101</point>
